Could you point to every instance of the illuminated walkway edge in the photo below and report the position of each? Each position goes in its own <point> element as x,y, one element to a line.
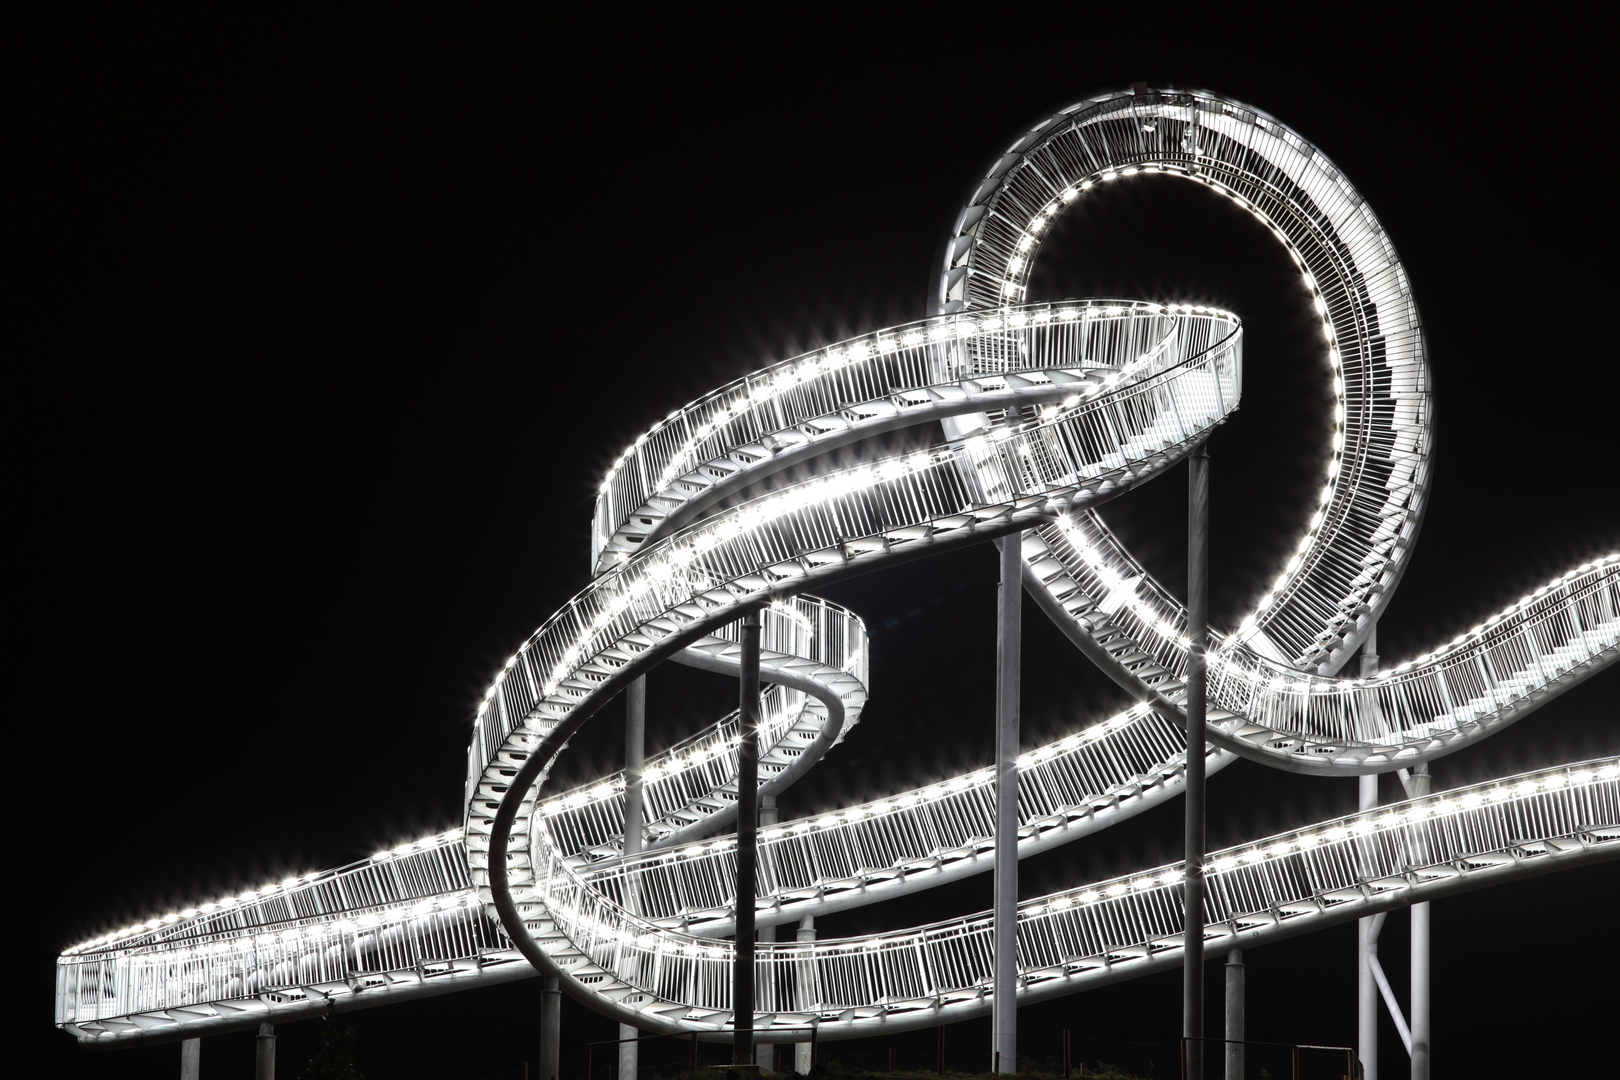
<point>1050,410</point>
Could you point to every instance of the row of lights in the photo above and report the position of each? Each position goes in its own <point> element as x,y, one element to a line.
<point>673,566</point>
<point>252,896</point>
<point>883,343</point>
<point>1043,217</point>
<point>668,942</point>
<point>812,492</point>
<point>907,800</point>
<point>677,762</point>
<point>1283,683</point>
<point>1031,236</point>
<point>1109,577</point>
<point>1121,588</point>
<point>1304,841</point>
<point>319,933</point>
<point>1519,608</point>
<point>1250,623</point>
<point>677,559</point>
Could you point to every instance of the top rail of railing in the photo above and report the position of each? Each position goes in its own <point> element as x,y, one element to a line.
<point>426,867</point>
<point>690,567</point>
<point>1298,872</point>
<point>1520,650</point>
<point>1097,333</point>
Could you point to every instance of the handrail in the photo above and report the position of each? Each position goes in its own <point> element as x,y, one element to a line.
<point>1120,391</point>
<point>1289,883</point>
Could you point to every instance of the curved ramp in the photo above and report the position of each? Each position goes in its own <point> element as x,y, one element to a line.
<point>1050,410</point>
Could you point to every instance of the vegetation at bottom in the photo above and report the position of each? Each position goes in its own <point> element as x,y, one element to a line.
<point>335,1059</point>
<point>831,1070</point>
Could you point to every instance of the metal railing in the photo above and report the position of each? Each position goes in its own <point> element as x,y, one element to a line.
<point>1051,409</point>
<point>1377,477</point>
<point>696,577</point>
<point>802,400</point>
<point>913,840</point>
<point>1431,704</point>
<point>1320,875</point>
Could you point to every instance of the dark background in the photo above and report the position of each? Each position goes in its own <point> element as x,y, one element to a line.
<point>331,333</point>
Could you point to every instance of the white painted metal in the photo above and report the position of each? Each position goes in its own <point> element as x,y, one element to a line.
<point>1121,391</point>
<point>1009,664</point>
<point>635,754</point>
<point>1088,936</point>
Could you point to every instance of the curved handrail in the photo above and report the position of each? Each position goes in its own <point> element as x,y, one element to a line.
<point>1124,390</point>
<point>396,939</point>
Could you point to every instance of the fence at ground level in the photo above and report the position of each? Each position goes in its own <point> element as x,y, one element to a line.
<point>957,1052</point>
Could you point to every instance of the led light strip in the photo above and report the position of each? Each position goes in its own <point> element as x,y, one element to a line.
<point>695,578</point>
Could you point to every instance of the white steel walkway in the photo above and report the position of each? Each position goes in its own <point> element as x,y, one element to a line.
<point>1050,410</point>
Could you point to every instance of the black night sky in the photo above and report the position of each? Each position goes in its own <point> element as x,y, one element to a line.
<point>328,346</point>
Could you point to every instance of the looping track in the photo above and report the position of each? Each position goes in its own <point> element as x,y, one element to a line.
<point>1050,410</point>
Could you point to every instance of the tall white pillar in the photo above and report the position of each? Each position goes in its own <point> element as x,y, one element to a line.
<point>1367,929</point>
<point>191,1059</point>
<point>635,752</point>
<point>264,1053</point>
<point>1192,944</point>
<point>1420,959</point>
<point>1234,1015</point>
<point>742,974</point>
<point>1004,973</point>
<point>802,1051</point>
<point>550,1029</point>
<point>765,1053</point>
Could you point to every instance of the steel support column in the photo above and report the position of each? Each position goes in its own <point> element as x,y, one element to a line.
<point>802,1052</point>
<point>635,752</point>
<point>190,1059</point>
<point>1009,649</point>
<point>264,1053</point>
<point>1420,958</point>
<point>1234,1015</point>
<point>765,1053</point>
<point>1192,980</point>
<point>550,1029</point>
<point>742,980</point>
<point>1367,929</point>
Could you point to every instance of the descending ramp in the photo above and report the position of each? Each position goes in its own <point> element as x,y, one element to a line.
<point>407,923</point>
<point>1050,410</point>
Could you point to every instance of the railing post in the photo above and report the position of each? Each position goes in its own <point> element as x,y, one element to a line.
<point>1367,928</point>
<point>635,751</point>
<point>1420,958</point>
<point>1009,648</point>
<point>742,981</point>
<point>1192,983</point>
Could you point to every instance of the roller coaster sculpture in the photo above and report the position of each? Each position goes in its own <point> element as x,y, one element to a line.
<point>1050,410</point>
